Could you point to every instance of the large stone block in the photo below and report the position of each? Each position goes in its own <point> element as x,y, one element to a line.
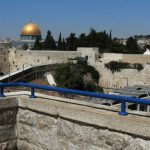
<point>9,145</point>
<point>67,127</point>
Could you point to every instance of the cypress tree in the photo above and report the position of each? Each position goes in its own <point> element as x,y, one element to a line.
<point>110,36</point>
<point>64,44</point>
<point>60,43</point>
<point>47,40</point>
<point>52,43</point>
<point>37,45</point>
<point>71,42</point>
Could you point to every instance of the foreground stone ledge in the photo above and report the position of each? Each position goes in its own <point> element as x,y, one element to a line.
<point>56,123</point>
<point>131,124</point>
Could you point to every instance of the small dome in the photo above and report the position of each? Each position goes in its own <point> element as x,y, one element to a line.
<point>31,29</point>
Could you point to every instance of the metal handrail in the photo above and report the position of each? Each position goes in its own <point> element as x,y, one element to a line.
<point>122,99</point>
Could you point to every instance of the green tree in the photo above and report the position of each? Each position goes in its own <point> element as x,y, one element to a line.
<point>132,46</point>
<point>60,43</point>
<point>49,42</point>
<point>99,39</point>
<point>67,76</point>
<point>92,38</point>
<point>71,42</point>
<point>110,35</point>
<point>117,47</point>
<point>64,44</point>
<point>76,77</point>
<point>52,43</point>
<point>37,45</point>
<point>82,40</point>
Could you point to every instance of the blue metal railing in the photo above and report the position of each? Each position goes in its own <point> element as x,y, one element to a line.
<point>122,99</point>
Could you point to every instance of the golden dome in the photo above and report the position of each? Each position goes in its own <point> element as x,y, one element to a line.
<point>31,29</point>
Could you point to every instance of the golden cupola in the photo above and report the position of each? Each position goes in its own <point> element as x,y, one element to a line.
<point>30,31</point>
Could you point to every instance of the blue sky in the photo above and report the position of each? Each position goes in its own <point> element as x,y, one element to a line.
<point>124,17</point>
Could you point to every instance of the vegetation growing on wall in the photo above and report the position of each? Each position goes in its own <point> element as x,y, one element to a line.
<point>118,66</point>
<point>75,76</point>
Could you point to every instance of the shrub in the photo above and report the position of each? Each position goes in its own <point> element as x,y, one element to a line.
<point>139,67</point>
<point>118,66</point>
<point>73,75</point>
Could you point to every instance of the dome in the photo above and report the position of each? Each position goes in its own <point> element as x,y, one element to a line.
<point>31,29</point>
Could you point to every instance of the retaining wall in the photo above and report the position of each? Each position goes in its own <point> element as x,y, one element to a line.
<point>52,123</point>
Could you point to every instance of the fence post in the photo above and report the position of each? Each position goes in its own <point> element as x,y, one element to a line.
<point>123,109</point>
<point>32,93</point>
<point>2,92</point>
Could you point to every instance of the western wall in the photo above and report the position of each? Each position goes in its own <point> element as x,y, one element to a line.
<point>13,60</point>
<point>4,61</point>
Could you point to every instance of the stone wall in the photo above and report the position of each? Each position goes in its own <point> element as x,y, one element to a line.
<point>52,123</point>
<point>5,45</point>
<point>130,58</point>
<point>107,57</point>
<point>133,58</point>
<point>63,134</point>
<point>18,59</point>
<point>8,124</point>
<point>21,58</point>
<point>91,53</point>
<point>126,77</point>
<point>4,61</point>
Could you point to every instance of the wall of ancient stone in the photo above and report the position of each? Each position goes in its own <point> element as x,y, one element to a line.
<point>126,77</point>
<point>52,123</point>
<point>91,53</point>
<point>8,124</point>
<point>21,58</point>
<point>41,132</point>
<point>4,61</point>
<point>107,57</point>
<point>130,58</point>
